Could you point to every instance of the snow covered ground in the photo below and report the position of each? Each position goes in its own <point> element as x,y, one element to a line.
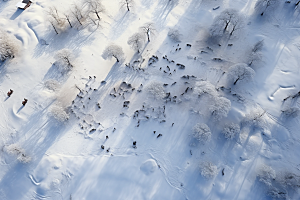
<point>191,116</point>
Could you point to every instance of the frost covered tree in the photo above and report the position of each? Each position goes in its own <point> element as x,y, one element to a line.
<point>148,29</point>
<point>220,108</point>
<point>205,88</point>
<point>228,21</point>
<point>262,6</point>
<point>9,46</point>
<point>255,117</point>
<point>201,132</point>
<point>64,59</point>
<point>113,51</point>
<point>231,130</point>
<point>240,73</point>
<point>136,41</point>
<point>96,7</point>
<point>127,3</point>
<point>208,170</point>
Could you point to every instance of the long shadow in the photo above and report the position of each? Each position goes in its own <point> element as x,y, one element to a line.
<point>120,26</point>
<point>40,136</point>
<point>3,5</point>
<point>3,70</point>
<point>16,14</point>
<point>55,73</point>
<point>20,109</point>
<point>73,39</point>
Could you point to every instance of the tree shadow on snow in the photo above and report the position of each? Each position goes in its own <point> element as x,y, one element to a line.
<point>71,39</point>
<point>55,73</point>
<point>3,5</point>
<point>122,23</point>
<point>162,11</point>
<point>40,136</point>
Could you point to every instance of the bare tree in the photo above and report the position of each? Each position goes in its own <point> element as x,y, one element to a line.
<point>64,58</point>
<point>127,3</point>
<point>228,21</point>
<point>262,5</point>
<point>136,41</point>
<point>148,29</point>
<point>96,7</point>
<point>241,72</point>
<point>77,13</point>
<point>57,22</point>
<point>8,46</point>
<point>113,51</point>
<point>67,17</point>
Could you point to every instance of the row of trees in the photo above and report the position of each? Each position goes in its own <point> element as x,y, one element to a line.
<point>91,11</point>
<point>88,11</point>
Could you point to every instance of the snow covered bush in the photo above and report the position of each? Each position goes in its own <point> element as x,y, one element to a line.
<point>59,113</point>
<point>136,41</point>
<point>291,112</point>
<point>228,21</point>
<point>113,51</point>
<point>201,132</point>
<point>174,35</point>
<point>19,152</point>
<point>156,90</point>
<point>52,84</point>
<point>64,60</point>
<point>255,117</point>
<point>205,87</point>
<point>240,73</point>
<point>266,175</point>
<point>231,130</point>
<point>208,170</point>
<point>8,46</point>
<point>255,55</point>
<point>220,108</point>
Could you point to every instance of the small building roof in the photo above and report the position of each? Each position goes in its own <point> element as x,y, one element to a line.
<point>21,5</point>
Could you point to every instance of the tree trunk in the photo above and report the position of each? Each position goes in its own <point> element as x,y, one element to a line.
<point>127,6</point>
<point>148,35</point>
<point>79,21</point>
<point>97,15</point>
<point>236,81</point>
<point>69,22</point>
<point>116,58</point>
<point>54,28</point>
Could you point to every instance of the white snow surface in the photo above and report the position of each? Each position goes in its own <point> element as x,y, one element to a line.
<point>51,148</point>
